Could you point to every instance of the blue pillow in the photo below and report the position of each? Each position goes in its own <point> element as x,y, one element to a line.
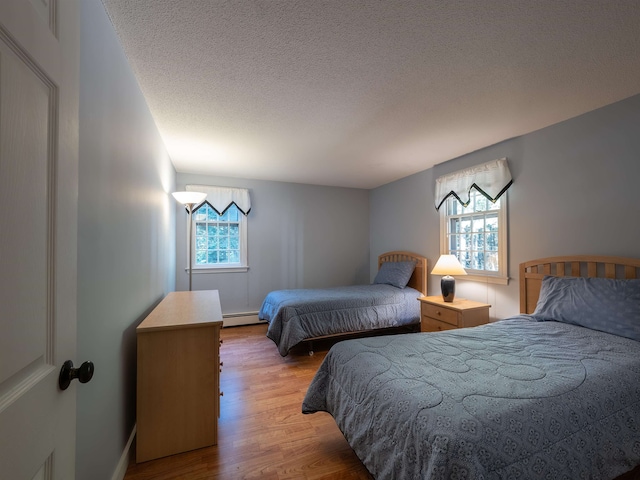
<point>395,273</point>
<point>604,304</point>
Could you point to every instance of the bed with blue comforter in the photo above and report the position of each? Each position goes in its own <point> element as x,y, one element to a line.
<point>553,394</point>
<point>298,315</point>
<point>390,302</point>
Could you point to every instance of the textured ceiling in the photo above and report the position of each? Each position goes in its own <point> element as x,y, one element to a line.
<point>361,93</point>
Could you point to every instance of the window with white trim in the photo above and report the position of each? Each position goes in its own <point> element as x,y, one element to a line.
<point>219,240</point>
<point>473,219</point>
<point>219,229</point>
<point>476,235</point>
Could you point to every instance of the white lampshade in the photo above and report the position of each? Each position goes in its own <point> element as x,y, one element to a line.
<point>189,198</point>
<point>448,265</point>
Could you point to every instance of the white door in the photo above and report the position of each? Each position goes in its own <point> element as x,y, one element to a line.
<point>39,55</point>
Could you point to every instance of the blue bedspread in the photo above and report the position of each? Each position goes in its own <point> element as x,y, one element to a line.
<point>297,315</point>
<point>512,399</point>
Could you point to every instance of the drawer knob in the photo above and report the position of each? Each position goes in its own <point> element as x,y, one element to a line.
<point>222,394</point>
<point>437,312</point>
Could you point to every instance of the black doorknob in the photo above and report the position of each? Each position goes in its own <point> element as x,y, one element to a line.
<point>68,373</point>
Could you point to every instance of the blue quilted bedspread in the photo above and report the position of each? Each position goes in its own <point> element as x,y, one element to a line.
<point>512,399</point>
<point>296,315</point>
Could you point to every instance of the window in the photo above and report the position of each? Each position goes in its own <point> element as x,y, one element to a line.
<point>476,235</point>
<point>219,240</point>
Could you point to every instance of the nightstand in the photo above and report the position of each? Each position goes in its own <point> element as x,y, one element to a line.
<point>437,315</point>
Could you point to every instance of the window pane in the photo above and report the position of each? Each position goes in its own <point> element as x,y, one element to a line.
<point>201,257</point>
<point>491,261</point>
<point>234,256</point>
<point>201,242</point>
<point>212,215</point>
<point>213,242</point>
<point>201,228</point>
<point>478,261</point>
<point>223,242</point>
<point>481,203</point>
<point>492,222</point>
<point>223,256</point>
<point>478,224</point>
<point>454,242</point>
<point>223,230</point>
<point>465,259</point>
<point>477,241</point>
<point>492,241</point>
<point>212,256</point>
<point>234,242</point>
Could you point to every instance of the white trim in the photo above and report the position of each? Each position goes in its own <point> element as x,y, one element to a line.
<point>245,318</point>
<point>495,279</point>
<point>125,458</point>
<point>225,269</point>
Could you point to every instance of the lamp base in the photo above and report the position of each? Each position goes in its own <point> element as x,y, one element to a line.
<point>448,287</point>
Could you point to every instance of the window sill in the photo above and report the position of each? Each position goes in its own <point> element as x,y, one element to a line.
<point>207,270</point>
<point>498,280</point>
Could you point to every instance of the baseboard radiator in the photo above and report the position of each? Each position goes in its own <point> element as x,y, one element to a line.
<point>244,318</point>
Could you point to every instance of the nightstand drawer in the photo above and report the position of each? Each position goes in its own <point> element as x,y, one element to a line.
<point>441,314</point>
<point>430,325</point>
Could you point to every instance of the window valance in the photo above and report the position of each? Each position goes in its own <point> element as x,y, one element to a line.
<point>491,179</point>
<point>221,198</point>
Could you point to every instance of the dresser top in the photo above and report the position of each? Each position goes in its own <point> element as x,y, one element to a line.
<point>184,309</point>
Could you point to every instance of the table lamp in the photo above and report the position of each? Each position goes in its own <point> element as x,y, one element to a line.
<point>448,265</point>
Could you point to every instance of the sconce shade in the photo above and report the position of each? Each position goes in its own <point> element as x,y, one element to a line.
<point>448,265</point>
<point>189,198</point>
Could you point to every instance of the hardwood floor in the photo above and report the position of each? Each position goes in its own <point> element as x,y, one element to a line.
<point>262,432</point>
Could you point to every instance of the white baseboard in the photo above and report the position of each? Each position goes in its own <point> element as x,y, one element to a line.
<point>125,459</point>
<point>235,319</point>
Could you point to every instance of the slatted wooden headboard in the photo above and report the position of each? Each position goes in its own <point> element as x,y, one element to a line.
<point>419,278</point>
<point>533,271</point>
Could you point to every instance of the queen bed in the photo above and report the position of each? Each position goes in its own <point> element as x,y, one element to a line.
<point>390,303</point>
<point>551,393</point>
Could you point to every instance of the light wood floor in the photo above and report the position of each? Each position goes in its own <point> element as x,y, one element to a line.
<point>262,432</point>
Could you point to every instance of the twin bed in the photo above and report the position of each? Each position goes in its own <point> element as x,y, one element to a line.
<point>389,304</point>
<point>551,393</point>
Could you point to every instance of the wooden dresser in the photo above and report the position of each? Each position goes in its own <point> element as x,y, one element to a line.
<point>178,386</point>
<point>437,315</point>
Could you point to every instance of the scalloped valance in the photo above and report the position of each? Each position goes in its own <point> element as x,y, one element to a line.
<point>221,198</point>
<point>491,179</point>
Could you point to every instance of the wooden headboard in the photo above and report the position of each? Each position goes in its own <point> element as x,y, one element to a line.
<point>533,271</point>
<point>419,278</point>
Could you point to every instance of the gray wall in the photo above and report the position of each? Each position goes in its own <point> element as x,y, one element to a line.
<point>574,192</point>
<point>126,239</point>
<point>299,236</point>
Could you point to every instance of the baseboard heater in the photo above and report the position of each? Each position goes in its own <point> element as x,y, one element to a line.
<point>244,318</point>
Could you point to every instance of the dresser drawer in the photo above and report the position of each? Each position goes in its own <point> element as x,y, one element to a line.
<point>430,325</point>
<point>439,313</point>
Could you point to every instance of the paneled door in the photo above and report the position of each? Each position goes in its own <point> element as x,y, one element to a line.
<point>39,55</point>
